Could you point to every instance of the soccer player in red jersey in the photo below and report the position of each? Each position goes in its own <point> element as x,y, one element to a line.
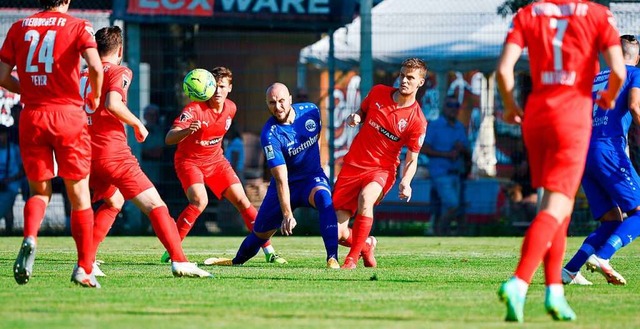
<point>564,38</point>
<point>199,159</point>
<point>116,175</point>
<point>46,48</point>
<point>391,119</point>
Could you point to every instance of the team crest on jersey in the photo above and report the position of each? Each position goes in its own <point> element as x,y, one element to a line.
<point>268,152</point>
<point>185,116</point>
<point>227,123</point>
<point>125,82</point>
<point>310,125</point>
<point>402,125</point>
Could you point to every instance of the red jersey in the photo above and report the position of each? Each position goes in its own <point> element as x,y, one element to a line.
<point>46,48</point>
<point>563,38</point>
<point>385,130</point>
<point>206,143</point>
<point>108,134</point>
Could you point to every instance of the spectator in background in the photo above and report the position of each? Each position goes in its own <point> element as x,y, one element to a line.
<point>523,197</point>
<point>447,146</point>
<point>11,174</point>
<point>234,150</point>
<point>153,147</point>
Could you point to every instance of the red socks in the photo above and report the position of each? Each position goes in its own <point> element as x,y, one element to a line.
<point>104,218</point>
<point>167,232</point>
<point>360,232</point>
<point>34,210</point>
<point>555,255</point>
<point>82,232</point>
<point>535,245</point>
<point>186,220</point>
<point>249,217</point>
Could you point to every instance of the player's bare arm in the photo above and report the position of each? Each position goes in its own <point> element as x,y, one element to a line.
<point>96,75</point>
<point>613,56</point>
<point>119,109</point>
<point>281,177</point>
<point>409,170</point>
<point>506,82</point>
<point>634,104</point>
<point>177,134</point>
<point>8,81</point>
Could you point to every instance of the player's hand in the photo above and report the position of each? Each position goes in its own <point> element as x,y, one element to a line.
<point>141,132</point>
<point>404,191</point>
<point>513,114</point>
<point>92,101</point>
<point>605,100</point>
<point>195,126</point>
<point>353,119</point>
<point>288,224</point>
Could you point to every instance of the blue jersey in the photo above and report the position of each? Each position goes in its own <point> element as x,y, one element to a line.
<point>610,127</point>
<point>294,145</point>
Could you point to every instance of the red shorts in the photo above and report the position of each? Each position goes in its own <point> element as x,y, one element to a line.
<point>109,175</point>
<point>352,180</point>
<point>557,156</point>
<point>218,175</point>
<point>47,130</point>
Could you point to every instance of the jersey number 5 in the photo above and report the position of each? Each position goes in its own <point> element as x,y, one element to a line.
<point>45,54</point>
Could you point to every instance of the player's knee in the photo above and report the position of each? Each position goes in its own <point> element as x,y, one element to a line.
<point>265,235</point>
<point>322,199</point>
<point>199,201</point>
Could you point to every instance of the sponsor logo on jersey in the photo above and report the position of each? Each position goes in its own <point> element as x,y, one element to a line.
<point>268,152</point>
<point>305,145</point>
<point>402,125</point>
<point>383,131</point>
<point>209,142</point>
<point>310,125</point>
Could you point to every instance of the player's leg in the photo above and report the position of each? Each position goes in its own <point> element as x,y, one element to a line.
<point>319,197</point>
<point>198,200</point>
<point>72,147</point>
<point>151,204</point>
<point>555,302</point>
<point>37,159</point>
<point>603,208</point>
<point>268,220</point>
<point>363,222</point>
<point>238,198</point>
<point>104,217</point>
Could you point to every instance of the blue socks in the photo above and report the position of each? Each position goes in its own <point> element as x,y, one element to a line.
<point>249,248</point>
<point>593,242</point>
<point>628,230</point>
<point>328,222</point>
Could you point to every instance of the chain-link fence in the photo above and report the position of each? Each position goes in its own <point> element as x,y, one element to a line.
<point>460,40</point>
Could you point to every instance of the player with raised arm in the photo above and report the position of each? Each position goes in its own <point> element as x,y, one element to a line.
<point>563,38</point>
<point>610,181</point>
<point>46,48</point>
<point>116,175</point>
<point>200,161</point>
<point>391,119</point>
<point>290,143</point>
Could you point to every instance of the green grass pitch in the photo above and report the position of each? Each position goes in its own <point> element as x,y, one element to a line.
<point>420,283</point>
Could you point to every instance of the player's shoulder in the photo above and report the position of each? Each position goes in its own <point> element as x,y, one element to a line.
<point>304,107</point>
<point>270,129</point>
<point>230,106</point>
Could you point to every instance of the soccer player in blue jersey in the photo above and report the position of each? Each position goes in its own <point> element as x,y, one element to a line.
<point>290,143</point>
<point>610,182</point>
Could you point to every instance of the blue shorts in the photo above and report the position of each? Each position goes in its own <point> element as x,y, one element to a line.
<point>610,181</point>
<point>270,215</point>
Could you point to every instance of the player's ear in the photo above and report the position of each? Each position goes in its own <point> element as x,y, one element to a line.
<point>422,80</point>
